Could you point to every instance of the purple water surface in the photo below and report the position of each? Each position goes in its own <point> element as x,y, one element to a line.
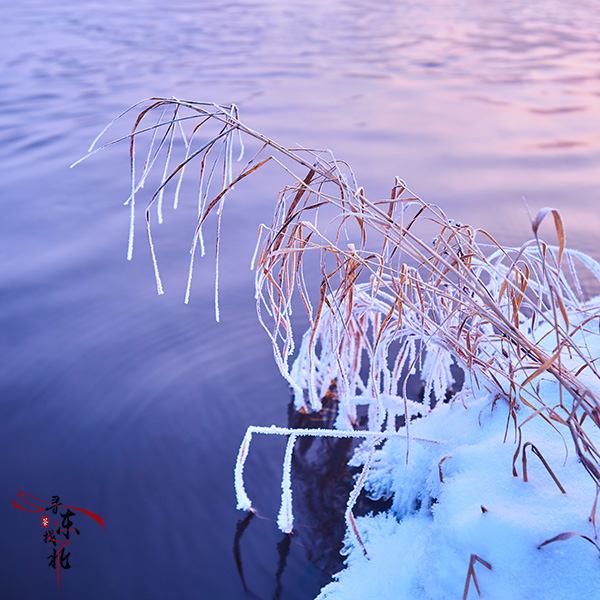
<point>133,405</point>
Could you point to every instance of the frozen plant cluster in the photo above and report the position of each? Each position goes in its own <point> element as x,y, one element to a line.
<point>460,499</point>
<point>494,486</point>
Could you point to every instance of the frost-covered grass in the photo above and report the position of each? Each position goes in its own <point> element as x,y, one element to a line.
<point>493,486</point>
<point>421,548</point>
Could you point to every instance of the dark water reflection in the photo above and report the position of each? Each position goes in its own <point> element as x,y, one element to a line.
<point>133,406</point>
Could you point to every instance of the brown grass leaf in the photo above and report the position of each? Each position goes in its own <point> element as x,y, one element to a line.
<point>567,535</point>
<point>558,224</point>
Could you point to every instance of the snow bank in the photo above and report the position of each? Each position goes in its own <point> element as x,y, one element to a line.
<point>460,498</point>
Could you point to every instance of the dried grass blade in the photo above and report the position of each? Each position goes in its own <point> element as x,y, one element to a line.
<point>471,574</point>
<point>567,535</point>
<point>440,468</point>
<point>558,224</point>
<point>535,450</point>
<point>543,367</point>
<point>592,517</point>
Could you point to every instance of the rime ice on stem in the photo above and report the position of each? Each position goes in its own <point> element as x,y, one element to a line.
<point>285,519</point>
<point>402,295</point>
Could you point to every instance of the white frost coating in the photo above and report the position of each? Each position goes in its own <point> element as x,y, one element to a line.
<point>182,170</point>
<point>335,433</point>
<point>337,349</point>
<point>201,198</point>
<point>435,372</point>
<point>217,262</point>
<point>285,520</point>
<point>178,188</point>
<point>227,179</point>
<point>366,337</point>
<point>241,140</point>
<point>93,144</point>
<point>164,176</point>
<point>159,286</point>
<point>255,254</point>
<point>131,199</point>
<point>243,502</point>
<point>573,271</point>
<point>423,553</point>
<point>235,115</point>
<point>183,136</point>
<point>217,310</point>
<point>228,160</point>
<point>588,261</point>
<point>188,287</point>
<point>150,160</point>
<point>355,493</point>
<point>92,149</point>
<point>132,205</point>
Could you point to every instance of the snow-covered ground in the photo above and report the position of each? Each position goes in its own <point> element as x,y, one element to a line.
<point>462,512</point>
<point>421,548</point>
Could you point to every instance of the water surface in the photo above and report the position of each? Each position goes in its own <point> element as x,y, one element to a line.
<point>133,405</point>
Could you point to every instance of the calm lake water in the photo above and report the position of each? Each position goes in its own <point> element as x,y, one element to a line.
<point>132,405</point>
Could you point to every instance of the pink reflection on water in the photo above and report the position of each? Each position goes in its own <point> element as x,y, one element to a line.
<point>489,103</point>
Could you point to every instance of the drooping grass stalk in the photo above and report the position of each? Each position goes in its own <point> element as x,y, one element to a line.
<point>535,450</point>
<point>400,287</point>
